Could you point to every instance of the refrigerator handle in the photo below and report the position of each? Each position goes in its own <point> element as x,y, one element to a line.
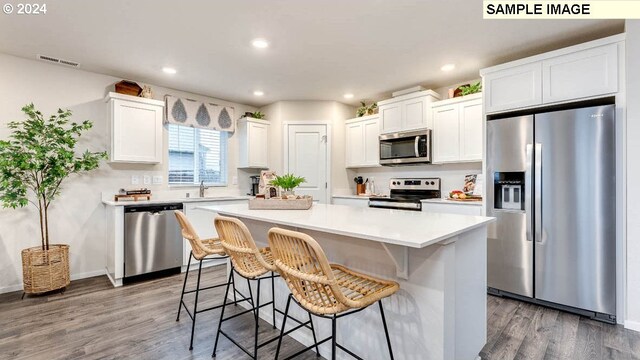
<point>538,191</point>
<point>528,210</point>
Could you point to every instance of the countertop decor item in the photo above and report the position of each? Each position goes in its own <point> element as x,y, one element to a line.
<point>367,110</point>
<point>287,183</point>
<point>38,156</point>
<point>296,203</point>
<point>128,88</point>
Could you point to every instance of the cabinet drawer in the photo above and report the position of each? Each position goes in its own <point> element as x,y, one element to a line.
<point>513,88</point>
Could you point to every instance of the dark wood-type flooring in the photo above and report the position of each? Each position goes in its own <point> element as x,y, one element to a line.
<point>93,320</point>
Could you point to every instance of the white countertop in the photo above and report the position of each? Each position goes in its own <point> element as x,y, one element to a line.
<point>407,228</point>
<point>349,196</point>
<point>445,201</point>
<point>168,200</point>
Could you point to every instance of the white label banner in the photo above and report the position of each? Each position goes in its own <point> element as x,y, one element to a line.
<point>597,9</point>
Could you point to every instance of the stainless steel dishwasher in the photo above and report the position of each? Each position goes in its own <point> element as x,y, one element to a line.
<point>152,241</point>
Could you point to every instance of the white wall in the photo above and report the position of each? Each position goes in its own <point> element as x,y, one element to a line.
<point>633,173</point>
<point>77,217</point>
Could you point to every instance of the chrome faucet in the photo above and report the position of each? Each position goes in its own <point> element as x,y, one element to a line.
<point>202,188</point>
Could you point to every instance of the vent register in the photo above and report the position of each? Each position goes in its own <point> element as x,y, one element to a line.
<point>55,60</point>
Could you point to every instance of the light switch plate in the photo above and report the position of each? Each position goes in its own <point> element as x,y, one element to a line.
<point>157,180</point>
<point>234,180</point>
<point>135,179</point>
<point>147,179</point>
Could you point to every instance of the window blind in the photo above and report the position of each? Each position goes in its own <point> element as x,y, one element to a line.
<point>197,155</point>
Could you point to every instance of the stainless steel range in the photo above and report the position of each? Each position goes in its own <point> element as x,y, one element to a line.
<point>406,194</point>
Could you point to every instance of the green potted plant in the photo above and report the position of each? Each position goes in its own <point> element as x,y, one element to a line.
<point>38,156</point>
<point>366,110</point>
<point>470,89</point>
<point>287,183</point>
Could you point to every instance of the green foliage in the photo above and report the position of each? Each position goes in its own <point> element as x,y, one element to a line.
<point>471,89</point>
<point>258,115</point>
<point>366,110</point>
<point>288,181</point>
<point>38,156</point>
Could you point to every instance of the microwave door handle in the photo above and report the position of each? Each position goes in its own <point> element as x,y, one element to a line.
<point>415,146</point>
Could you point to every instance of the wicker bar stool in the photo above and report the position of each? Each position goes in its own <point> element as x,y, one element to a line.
<point>201,250</point>
<point>325,290</point>
<point>251,263</point>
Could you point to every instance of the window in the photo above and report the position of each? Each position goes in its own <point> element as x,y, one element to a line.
<point>197,155</point>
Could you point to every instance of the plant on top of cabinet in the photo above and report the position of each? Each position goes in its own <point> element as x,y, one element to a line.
<point>367,110</point>
<point>34,162</point>
<point>470,89</point>
<point>256,115</point>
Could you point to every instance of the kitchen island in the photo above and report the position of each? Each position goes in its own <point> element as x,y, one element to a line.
<point>439,260</point>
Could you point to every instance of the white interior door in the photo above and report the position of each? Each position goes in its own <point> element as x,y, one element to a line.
<point>307,157</point>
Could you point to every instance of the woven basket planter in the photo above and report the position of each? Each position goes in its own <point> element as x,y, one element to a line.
<point>45,270</point>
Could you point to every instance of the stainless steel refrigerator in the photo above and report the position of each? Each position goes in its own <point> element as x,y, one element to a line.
<point>552,190</point>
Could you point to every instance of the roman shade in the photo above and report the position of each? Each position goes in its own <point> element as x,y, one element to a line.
<point>199,114</point>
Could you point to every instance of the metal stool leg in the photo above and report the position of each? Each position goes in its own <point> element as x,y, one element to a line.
<point>386,331</point>
<point>273,298</point>
<point>313,332</point>
<point>224,305</point>
<point>333,337</point>
<point>284,322</point>
<point>257,318</point>
<point>195,306</point>
<point>184,286</point>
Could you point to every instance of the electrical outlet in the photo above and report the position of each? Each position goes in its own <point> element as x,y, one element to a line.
<point>147,179</point>
<point>157,180</point>
<point>135,179</point>
<point>234,180</point>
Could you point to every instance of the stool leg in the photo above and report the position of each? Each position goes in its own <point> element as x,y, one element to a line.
<point>184,286</point>
<point>257,318</point>
<point>386,331</point>
<point>273,299</point>
<point>233,283</point>
<point>195,306</point>
<point>333,337</point>
<point>224,305</point>
<point>284,322</point>
<point>251,296</point>
<point>313,332</point>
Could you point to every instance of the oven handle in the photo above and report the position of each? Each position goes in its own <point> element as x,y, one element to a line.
<point>415,146</point>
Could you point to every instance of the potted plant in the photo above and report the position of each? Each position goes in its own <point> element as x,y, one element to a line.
<point>287,183</point>
<point>366,110</point>
<point>37,158</point>
<point>470,89</point>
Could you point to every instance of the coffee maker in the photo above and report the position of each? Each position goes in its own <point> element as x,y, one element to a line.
<point>255,182</point>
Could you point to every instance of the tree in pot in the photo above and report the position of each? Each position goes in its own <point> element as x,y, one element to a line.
<point>288,182</point>
<point>38,156</point>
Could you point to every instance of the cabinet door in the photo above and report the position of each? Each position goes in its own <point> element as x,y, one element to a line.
<point>581,74</point>
<point>354,144</point>
<point>136,132</point>
<point>415,113</point>
<point>364,202</point>
<point>452,208</point>
<point>371,133</point>
<point>513,88</point>
<point>391,117</point>
<point>446,134</point>
<point>471,130</point>
<point>258,142</point>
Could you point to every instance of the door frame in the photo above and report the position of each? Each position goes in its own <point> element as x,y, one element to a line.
<point>285,149</point>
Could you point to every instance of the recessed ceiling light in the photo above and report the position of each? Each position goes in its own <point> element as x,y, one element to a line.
<point>258,93</point>
<point>168,70</point>
<point>348,96</point>
<point>260,43</point>
<point>448,67</point>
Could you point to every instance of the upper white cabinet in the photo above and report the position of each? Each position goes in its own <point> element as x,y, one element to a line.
<point>513,88</point>
<point>578,72</point>
<point>135,129</point>
<point>581,74</point>
<point>407,112</point>
<point>457,130</point>
<point>253,137</point>
<point>361,141</point>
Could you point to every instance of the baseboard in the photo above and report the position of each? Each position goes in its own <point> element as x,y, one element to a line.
<point>18,287</point>
<point>632,325</point>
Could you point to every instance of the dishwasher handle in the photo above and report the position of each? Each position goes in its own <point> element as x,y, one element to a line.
<point>153,208</point>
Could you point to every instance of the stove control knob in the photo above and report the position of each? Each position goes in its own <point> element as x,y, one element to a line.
<point>433,183</point>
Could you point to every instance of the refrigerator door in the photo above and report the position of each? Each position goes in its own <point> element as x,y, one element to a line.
<point>510,251</point>
<point>575,240</point>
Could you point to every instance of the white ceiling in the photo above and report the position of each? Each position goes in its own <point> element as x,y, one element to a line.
<point>319,49</point>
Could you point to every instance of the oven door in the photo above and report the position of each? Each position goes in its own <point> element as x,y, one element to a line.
<point>387,203</point>
<point>405,148</point>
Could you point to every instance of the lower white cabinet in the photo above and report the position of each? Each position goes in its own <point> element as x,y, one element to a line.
<point>361,142</point>
<point>355,202</point>
<point>452,208</point>
<point>457,130</point>
<point>202,221</point>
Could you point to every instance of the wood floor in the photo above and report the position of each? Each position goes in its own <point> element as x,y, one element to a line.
<point>92,320</point>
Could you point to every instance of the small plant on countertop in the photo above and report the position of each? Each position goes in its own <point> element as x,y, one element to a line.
<point>288,182</point>
<point>471,89</point>
<point>366,110</point>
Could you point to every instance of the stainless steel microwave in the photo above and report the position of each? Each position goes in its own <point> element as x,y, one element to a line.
<point>411,147</point>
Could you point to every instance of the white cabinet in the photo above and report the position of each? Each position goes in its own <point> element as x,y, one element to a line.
<point>407,112</point>
<point>351,201</point>
<point>581,74</point>
<point>513,88</point>
<point>457,130</point>
<point>202,221</point>
<point>452,208</point>
<point>253,135</point>
<point>361,142</point>
<point>135,129</point>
